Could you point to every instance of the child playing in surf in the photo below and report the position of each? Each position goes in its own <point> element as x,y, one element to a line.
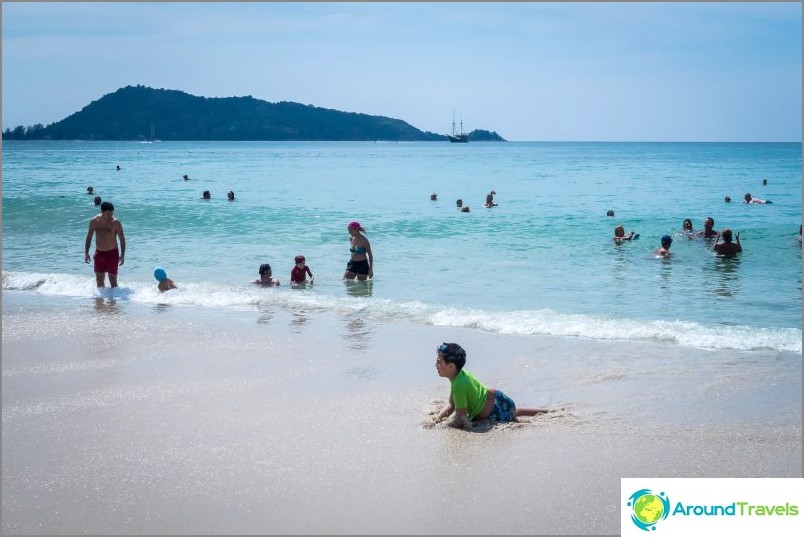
<point>469,399</point>
<point>664,249</point>
<point>266,280</point>
<point>299,272</point>
<point>165,283</point>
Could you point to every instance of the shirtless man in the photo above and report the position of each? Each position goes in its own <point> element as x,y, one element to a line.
<point>708,231</point>
<point>749,199</point>
<point>106,229</point>
<point>727,247</point>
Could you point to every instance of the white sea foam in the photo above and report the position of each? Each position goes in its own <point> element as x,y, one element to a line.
<point>520,322</point>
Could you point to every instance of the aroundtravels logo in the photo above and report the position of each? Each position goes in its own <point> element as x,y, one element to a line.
<point>701,506</point>
<point>648,508</point>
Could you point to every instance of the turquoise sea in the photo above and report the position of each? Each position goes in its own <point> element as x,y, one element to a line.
<point>228,408</point>
<point>541,263</point>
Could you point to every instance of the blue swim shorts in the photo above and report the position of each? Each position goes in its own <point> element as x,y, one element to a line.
<point>504,408</point>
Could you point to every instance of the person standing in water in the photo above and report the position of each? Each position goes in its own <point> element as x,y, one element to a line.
<point>727,248</point>
<point>708,231</point>
<point>107,229</point>
<point>361,260</point>
<point>298,274</point>
<point>686,228</point>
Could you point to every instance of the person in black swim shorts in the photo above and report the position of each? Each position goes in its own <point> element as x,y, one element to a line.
<point>361,262</point>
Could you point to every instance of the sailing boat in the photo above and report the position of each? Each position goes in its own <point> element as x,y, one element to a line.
<point>152,139</point>
<point>458,137</point>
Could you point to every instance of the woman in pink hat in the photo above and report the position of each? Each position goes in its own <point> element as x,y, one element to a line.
<point>361,262</point>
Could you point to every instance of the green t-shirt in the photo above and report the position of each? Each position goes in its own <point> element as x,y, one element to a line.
<point>468,393</point>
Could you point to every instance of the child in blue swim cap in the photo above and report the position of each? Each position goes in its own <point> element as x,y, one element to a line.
<point>165,283</point>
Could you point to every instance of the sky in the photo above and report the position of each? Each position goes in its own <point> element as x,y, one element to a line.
<point>535,71</point>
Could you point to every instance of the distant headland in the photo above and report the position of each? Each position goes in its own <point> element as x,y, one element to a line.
<point>143,113</point>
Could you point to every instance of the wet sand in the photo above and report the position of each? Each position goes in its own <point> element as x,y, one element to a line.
<point>171,420</point>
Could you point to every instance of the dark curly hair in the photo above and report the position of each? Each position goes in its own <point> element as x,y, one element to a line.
<point>453,354</point>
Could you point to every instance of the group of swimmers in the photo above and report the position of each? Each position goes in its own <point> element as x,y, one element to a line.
<point>206,195</point>
<point>360,265</point>
<point>724,248</point>
<point>298,274</point>
<point>97,200</point>
<point>750,199</point>
<point>465,208</point>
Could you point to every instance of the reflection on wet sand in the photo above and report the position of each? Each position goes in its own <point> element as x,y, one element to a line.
<point>266,313</point>
<point>298,321</point>
<point>107,306</point>
<point>358,333</point>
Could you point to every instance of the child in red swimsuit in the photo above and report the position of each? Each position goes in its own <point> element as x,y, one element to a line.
<point>299,272</point>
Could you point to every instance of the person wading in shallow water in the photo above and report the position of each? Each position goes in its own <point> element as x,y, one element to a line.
<point>107,229</point>
<point>361,260</point>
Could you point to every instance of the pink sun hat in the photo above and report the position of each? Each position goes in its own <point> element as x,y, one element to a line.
<point>356,225</point>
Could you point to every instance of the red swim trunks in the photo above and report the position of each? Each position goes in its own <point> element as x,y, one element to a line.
<point>106,261</point>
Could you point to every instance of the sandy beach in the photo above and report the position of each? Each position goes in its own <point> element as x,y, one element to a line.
<point>155,420</point>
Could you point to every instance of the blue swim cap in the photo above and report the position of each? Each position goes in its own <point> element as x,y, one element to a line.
<point>667,239</point>
<point>160,274</point>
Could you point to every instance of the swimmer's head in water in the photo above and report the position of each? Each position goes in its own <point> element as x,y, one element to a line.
<point>687,224</point>
<point>107,206</point>
<point>667,240</point>
<point>609,213</point>
<point>619,231</point>
<point>356,225</point>
<point>299,259</point>
<point>728,199</point>
<point>160,274</point>
<point>265,268</point>
<point>726,234</point>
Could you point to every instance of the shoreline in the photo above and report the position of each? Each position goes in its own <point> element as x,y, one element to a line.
<point>170,419</point>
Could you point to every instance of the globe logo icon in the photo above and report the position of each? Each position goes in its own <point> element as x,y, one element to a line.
<point>648,508</point>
